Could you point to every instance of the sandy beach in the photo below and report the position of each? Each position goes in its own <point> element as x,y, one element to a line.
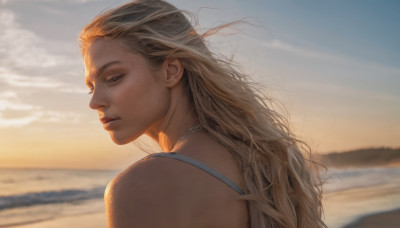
<point>92,220</point>
<point>390,219</point>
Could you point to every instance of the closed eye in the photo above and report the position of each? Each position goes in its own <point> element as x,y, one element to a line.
<point>109,81</point>
<point>115,78</point>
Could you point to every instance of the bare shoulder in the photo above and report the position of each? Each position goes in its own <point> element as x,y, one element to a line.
<point>162,192</point>
<point>140,195</point>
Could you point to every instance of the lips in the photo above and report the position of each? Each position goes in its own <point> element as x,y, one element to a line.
<point>105,120</point>
<point>109,123</point>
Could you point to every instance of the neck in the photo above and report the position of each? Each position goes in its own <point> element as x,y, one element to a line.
<point>173,135</point>
<point>186,134</point>
<point>179,119</point>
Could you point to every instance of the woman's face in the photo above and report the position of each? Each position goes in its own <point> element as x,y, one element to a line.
<point>127,94</point>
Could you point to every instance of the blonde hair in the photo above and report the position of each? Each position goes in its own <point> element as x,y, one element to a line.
<point>282,189</point>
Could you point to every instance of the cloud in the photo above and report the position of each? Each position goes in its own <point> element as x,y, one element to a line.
<point>350,95</point>
<point>82,1</point>
<point>8,105</point>
<point>17,122</point>
<point>16,80</point>
<point>73,1</point>
<point>59,117</point>
<point>32,114</point>
<point>21,48</point>
<point>37,117</point>
<point>14,106</point>
<point>280,45</point>
<point>33,77</point>
<point>8,94</point>
<point>277,44</point>
<point>26,63</point>
<point>71,89</point>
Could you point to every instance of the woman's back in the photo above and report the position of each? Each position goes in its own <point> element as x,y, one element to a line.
<point>164,192</point>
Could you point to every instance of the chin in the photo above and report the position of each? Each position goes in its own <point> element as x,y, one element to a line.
<point>121,140</point>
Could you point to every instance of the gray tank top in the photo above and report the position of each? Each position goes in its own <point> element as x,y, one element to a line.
<point>202,166</point>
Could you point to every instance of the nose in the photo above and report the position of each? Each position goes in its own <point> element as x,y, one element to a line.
<point>98,101</point>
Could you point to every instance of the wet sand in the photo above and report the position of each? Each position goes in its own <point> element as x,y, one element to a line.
<point>92,220</point>
<point>390,219</point>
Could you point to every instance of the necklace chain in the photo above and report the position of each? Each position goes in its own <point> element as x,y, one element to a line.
<point>188,132</point>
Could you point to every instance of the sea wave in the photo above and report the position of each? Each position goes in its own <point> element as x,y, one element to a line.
<point>343,179</point>
<point>50,197</point>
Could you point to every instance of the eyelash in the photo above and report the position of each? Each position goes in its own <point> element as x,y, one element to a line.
<point>115,78</point>
<point>111,80</point>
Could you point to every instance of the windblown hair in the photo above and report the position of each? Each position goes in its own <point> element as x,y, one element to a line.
<point>282,186</point>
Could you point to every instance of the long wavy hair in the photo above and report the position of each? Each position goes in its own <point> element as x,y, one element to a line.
<point>282,187</point>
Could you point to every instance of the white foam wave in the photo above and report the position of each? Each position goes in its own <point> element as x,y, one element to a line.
<point>50,197</point>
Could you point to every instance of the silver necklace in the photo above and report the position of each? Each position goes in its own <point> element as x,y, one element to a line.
<point>188,132</point>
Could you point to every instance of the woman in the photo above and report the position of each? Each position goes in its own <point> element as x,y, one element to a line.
<point>228,160</point>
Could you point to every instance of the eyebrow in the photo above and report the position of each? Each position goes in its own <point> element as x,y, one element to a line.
<point>103,68</point>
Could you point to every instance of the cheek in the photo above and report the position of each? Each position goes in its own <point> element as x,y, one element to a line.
<point>146,101</point>
<point>142,107</point>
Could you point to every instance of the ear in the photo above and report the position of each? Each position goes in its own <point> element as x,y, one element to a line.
<point>172,72</point>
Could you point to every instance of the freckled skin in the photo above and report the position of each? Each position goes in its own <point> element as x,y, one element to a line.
<point>138,98</point>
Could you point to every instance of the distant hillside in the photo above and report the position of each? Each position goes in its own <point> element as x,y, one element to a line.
<point>363,158</point>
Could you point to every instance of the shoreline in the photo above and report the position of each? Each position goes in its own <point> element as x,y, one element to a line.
<point>87,220</point>
<point>385,219</point>
<point>86,213</point>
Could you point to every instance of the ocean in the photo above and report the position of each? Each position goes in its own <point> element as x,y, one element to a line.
<point>353,193</point>
<point>31,198</point>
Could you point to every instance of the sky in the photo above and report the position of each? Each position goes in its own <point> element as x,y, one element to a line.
<point>333,65</point>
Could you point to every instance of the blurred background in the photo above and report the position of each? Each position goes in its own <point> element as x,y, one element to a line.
<point>334,66</point>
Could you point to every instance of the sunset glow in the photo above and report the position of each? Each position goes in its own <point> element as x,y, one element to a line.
<point>334,68</point>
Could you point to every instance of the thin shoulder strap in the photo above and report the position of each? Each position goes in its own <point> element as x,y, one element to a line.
<point>200,166</point>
